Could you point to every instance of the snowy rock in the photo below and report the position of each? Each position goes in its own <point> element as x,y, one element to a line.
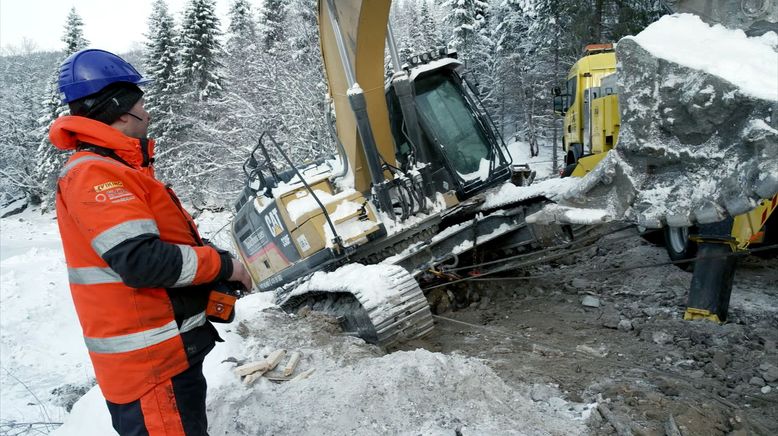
<point>557,403</point>
<point>590,301</point>
<point>541,392</point>
<point>698,374</point>
<point>662,338</point>
<point>13,207</point>
<point>694,144</point>
<point>756,381</point>
<point>625,325</point>
<point>610,318</point>
<point>579,283</point>
<point>766,389</point>
<point>769,372</point>
<point>721,359</point>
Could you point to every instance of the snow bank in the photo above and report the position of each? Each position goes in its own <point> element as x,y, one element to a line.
<point>41,347</point>
<point>356,390</point>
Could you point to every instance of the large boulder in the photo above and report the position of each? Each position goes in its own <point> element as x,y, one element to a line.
<point>699,139</point>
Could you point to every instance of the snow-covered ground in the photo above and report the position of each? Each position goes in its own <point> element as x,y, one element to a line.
<point>542,164</point>
<point>355,389</point>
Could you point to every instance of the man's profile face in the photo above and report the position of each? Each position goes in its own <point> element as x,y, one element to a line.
<point>137,121</point>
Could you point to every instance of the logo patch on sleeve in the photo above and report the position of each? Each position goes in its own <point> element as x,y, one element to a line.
<point>109,185</point>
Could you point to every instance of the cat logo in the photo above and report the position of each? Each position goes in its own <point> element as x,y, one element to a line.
<point>274,222</point>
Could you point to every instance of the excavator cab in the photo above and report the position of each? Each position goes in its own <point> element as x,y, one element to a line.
<point>465,152</point>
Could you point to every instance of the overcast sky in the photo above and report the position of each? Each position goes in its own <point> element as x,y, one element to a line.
<point>109,25</point>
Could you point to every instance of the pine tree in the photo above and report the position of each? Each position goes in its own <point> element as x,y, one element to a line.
<point>199,70</point>
<point>483,51</point>
<point>427,27</point>
<point>272,19</point>
<point>22,76</point>
<point>242,34</point>
<point>509,34</point>
<point>48,159</point>
<point>160,60</point>
<point>74,34</point>
<point>461,19</point>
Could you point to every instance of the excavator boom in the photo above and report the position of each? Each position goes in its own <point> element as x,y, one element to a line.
<point>353,52</point>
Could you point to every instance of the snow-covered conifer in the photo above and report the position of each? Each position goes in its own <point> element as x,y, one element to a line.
<point>74,33</point>
<point>272,19</point>
<point>462,22</point>
<point>48,159</point>
<point>160,60</point>
<point>242,31</point>
<point>199,70</point>
<point>427,27</point>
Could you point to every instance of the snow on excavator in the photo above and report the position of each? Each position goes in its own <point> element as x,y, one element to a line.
<point>419,158</point>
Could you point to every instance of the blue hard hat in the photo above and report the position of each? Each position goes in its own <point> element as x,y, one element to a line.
<point>88,71</point>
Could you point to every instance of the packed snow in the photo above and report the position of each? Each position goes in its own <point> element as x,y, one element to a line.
<point>750,63</point>
<point>355,387</point>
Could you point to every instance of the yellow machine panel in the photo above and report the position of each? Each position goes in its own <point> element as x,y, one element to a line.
<point>605,123</point>
<point>749,227</point>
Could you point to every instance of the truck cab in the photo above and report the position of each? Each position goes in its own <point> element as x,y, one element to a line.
<point>590,124</point>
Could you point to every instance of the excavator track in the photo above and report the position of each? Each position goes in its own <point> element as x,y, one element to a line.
<point>397,314</point>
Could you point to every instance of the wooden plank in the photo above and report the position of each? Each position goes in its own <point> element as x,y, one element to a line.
<point>251,378</point>
<point>304,375</point>
<point>294,359</point>
<point>261,366</point>
<point>275,358</point>
<point>251,367</point>
<point>622,428</point>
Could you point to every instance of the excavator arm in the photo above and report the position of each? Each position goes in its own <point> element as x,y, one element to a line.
<point>353,34</point>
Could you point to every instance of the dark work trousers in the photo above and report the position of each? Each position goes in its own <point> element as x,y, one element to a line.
<point>175,407</point>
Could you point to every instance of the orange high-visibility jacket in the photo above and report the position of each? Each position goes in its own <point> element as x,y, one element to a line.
<point>139,273</point>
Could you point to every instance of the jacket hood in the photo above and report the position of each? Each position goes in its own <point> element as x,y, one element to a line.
<point>68,131</point>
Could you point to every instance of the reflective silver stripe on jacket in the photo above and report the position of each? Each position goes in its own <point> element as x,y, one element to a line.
<point>83,159</point>
<point>193,322</point>
<point>132,341</point>
<point>188,266</point>
<point>140,340</point>
<point>119,233</point>
<point>93,276</point>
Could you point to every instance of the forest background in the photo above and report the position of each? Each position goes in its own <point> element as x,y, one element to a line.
<point>217,86</point>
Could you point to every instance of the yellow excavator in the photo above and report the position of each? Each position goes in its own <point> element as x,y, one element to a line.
<point>418,157</point>
<point>409,199</point>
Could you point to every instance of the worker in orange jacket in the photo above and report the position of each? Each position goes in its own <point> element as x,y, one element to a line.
<point>140,275</point>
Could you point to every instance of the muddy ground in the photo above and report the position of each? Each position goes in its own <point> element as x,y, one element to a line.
<point>634,353</point>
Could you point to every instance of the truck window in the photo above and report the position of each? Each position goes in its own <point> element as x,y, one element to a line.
<point>451,121</point>
<point>572,88</point>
